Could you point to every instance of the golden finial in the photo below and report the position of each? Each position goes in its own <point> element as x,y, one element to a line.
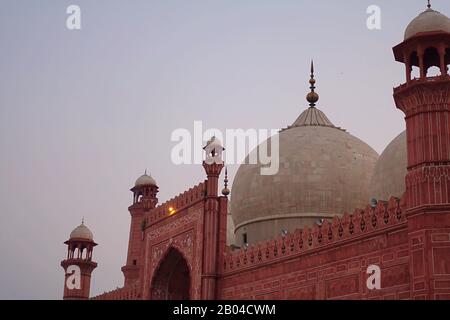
<point>312,97</point>
<point>225,190</point>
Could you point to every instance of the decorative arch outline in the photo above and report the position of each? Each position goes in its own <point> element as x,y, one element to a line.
<point>172,276</point>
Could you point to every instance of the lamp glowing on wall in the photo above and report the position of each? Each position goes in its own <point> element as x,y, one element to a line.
<point>172,211</point>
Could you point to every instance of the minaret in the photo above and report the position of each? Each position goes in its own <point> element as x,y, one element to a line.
<point>215,216</point>
<point>145,192</point>
<point>78,265</point>
<point>425,102</point>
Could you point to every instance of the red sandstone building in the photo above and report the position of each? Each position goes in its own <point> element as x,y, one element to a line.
<point>178,249</point>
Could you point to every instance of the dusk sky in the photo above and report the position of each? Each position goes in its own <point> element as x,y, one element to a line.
<point>84,112</point>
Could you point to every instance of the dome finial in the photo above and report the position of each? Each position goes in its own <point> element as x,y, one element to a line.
<point>429,4</point>
<point>82,220</point>
<point>312,97</point>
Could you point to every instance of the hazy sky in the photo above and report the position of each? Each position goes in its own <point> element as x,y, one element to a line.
<point>83,113</point>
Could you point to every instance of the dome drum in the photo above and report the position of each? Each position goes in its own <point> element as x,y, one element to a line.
<point>257,230</point>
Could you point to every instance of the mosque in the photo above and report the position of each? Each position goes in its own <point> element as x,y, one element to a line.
<point>312,231</point>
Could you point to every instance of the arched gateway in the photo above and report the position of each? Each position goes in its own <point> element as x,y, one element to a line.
<point>172,280</point>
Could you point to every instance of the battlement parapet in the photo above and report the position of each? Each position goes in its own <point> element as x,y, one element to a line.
<point>346,228</point>
<point>125,293</point>
<point>177,204</point>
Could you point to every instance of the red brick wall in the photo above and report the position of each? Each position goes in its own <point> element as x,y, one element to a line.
<point>327,262</point>
<point>333,273</point>
<point>128,293</point>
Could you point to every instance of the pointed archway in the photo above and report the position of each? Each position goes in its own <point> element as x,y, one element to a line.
<point>171,280</point>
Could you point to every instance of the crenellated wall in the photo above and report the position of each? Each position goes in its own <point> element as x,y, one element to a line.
<point>126,293</point>
<point>178,203</point>
<point>326,262</point>
<point>348,227</point>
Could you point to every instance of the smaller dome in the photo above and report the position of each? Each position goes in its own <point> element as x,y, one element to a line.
<point>145,180</point>
<point>390,170</point>
<point>428,21</point>
<point>82,232</point>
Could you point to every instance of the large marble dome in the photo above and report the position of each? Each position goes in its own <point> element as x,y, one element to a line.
<point>390,170</point>
<point>323,171</point>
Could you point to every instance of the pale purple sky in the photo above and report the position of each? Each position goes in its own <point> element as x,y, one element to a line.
<point>83,113</point>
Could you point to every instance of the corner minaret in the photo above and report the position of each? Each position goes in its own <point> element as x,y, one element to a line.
<point>214,219</point>
<point>78,265</point>
<point>213,165</point>
<point>425,102</point>
<point>145,192</point>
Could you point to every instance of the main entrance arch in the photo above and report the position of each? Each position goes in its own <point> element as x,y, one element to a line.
<point>171,280</point>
